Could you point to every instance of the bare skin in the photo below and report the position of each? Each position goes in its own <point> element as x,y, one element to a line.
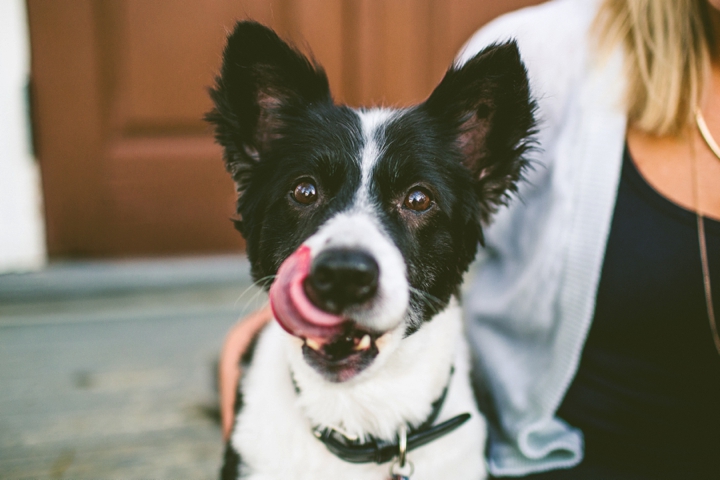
<point>664,162</point>
<point>236,342</point>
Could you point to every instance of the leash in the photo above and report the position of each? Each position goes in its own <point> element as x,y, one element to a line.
<point>375,450</point>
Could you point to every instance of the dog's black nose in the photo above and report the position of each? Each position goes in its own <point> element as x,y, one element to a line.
<point>341,278</point>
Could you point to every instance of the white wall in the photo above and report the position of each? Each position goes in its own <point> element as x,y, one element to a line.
<point>22,236</point>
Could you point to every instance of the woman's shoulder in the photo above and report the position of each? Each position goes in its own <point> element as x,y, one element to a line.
<point>558,23</point>
<point>553,41</point>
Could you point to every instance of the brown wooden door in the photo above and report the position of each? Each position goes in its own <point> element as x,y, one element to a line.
<point>119,91</point>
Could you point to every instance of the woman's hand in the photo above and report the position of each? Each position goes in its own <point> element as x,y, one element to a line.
<point>236,342</point>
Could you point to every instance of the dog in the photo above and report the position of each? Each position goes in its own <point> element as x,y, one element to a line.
<point>362,223</point>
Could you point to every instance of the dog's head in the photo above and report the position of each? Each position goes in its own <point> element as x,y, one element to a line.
<point>366,219</point>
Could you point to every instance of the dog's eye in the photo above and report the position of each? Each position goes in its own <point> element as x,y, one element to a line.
<point>418,199</point>
<point>305,192</point>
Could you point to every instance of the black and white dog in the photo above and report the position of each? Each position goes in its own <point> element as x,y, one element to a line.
<point>365,220</point>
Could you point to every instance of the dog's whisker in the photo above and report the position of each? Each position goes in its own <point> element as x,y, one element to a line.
<point>264,281</point>
<point>252,303</point>
<point>242,294</point>
<point>433,309</point>
<point>428,299</point>
<point>259,283</point>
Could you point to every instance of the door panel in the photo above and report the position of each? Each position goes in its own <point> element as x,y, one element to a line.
<point>119,86</point>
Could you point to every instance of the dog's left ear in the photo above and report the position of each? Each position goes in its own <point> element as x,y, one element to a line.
<point>487,105</point>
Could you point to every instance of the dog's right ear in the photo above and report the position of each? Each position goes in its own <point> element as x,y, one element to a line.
<point>262,80</point>
<point>487,106</point>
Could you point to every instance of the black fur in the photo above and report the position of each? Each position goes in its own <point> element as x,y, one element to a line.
<point>479,119</point>
<point>231,463</point>
<point>465,146</point>
<point>275,118</point>
<point>487,101</point>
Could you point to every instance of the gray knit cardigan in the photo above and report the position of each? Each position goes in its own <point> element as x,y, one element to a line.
<point>531,295</point>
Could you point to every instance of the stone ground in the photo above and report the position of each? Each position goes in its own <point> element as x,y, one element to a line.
<point>107,370</point>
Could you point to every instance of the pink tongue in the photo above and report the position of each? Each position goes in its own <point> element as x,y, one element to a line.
<point>291,307</point>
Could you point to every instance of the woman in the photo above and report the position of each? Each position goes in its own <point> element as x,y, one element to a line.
<point>591,312</point>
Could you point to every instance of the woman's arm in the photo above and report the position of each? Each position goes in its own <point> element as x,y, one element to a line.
<point>236,342</point>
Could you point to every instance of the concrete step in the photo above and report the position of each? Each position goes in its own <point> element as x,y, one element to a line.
<point>62,280</point>
<point>107,370</point>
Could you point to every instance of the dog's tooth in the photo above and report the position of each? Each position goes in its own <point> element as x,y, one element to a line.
<point>312,344</point>
<point>364,343</point>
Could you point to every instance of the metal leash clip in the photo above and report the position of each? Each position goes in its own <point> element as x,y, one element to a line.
<point>402,468</point>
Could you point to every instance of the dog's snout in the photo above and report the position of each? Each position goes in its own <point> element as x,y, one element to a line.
<point>342,278</point>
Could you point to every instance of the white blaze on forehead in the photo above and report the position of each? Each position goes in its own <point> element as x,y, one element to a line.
<point>371,122</point>
<point>359,228</point>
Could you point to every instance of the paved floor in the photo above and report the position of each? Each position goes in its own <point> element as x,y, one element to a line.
<point>107,370</point>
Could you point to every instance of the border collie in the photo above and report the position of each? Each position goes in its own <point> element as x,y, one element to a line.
<point>364,221</point>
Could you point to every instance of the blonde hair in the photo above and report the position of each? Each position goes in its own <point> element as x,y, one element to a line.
<point>667,45</point>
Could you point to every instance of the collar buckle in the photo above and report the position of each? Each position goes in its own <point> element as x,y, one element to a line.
<point>402,468</point>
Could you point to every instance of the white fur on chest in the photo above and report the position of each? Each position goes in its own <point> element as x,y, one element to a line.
<point>273,432</point>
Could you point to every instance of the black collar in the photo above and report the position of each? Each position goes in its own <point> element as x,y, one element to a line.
<point>380,451</point>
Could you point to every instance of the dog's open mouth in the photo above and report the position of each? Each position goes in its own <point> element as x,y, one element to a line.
<point>344,356</point>
<point>333,344</point>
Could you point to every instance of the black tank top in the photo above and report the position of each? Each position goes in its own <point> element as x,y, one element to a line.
<point>647,392</point>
